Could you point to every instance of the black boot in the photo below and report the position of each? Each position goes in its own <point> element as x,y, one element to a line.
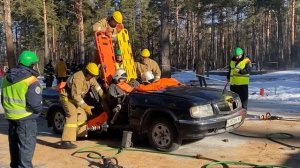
<point>67,145</point>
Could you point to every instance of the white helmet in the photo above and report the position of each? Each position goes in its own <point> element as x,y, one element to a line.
<point>120,74</point>
<point>147,77</point>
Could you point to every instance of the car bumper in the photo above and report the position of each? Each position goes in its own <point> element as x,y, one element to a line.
<point>188,129</point>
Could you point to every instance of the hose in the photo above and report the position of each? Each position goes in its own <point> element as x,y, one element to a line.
<point>214,163</point>
<point>240,163</point>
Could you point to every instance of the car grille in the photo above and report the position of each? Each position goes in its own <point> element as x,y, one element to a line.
<point>228,106</point>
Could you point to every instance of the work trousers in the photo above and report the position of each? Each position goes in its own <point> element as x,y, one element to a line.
<point>202,79</point>
<point>242,91</point>
<point>22,140</point>
<point>76,119</point>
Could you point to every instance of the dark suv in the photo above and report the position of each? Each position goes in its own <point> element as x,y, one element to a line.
<point>168,116</point>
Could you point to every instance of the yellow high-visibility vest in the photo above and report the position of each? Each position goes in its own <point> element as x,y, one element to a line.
<point>235,77</point>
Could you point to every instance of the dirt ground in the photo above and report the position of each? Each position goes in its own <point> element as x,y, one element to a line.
<point>221,147</point>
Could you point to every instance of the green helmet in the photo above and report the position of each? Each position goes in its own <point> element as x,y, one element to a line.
<point>118,52</point>
<point>27,58</point>
<point>238,51</point>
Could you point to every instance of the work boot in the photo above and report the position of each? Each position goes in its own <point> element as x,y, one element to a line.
<point>67,145</point>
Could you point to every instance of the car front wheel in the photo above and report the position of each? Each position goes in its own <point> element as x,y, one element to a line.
<point>163,136</point>
<point>58,121</point>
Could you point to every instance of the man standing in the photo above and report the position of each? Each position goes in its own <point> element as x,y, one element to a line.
<point>147,64</point>
<point>199,68</point>
<point>61,71</point>
<point>109,25</point>
<point>238,75</point>
<point>22,102</point>
<point>49,74</point>
<point>71,97</point>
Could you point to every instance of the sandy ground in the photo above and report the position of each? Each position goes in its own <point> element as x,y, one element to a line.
<point>221,147</point>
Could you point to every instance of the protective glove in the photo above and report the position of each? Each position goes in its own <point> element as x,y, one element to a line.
<point>88,109</point>
<point>237,70</point>
<point>119,27</point>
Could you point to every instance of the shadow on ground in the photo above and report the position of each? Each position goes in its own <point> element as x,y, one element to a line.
<point>293,160</point>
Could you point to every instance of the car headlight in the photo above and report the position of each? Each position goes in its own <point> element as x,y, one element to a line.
<point>201,111</point>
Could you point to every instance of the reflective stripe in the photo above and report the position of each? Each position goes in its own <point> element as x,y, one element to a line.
<point>98,88</point>
<point>15,111</point>
<point>71,125</point>
<point>12,100</point>
<point>81,123</point>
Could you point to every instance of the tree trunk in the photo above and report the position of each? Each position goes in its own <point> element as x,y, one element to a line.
<point>46,32</point>
<point>8,34</point>
<point>177,52</point>
<point>164,39</point>
<point>292,28</point>
<point>79,8</point>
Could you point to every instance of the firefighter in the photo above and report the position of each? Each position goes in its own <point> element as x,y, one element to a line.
<point>49,74</point>
<point>21,99</point>
<point>61,71</point>
<point>119,60</point>
<point>147,64</point>
<point>111,25</point>
<point>238,75</point>
<point>118,91</point>
<point>71,97</point>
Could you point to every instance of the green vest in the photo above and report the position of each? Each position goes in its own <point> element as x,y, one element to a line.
<point>236,78</point>
<point>14,98</point>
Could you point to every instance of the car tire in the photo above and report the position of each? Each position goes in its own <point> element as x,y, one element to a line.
<point>163,136</point>
<point>58,120</point>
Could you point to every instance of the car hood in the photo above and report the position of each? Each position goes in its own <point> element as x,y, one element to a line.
<point>198,94</point>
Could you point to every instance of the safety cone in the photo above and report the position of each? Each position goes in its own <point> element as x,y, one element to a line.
<point>262,92</point>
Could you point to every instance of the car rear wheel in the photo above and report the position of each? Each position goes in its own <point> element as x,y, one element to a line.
<point>58,121</point>
<point>163,136</point>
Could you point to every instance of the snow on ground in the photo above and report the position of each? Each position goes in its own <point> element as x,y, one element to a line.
<point>282,89</point>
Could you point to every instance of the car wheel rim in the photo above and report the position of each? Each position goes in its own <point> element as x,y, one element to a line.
<point>161,135</point>
<point>59,121</point>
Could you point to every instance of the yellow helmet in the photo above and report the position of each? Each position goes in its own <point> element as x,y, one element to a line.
<point>145,53</point>
<point>117,15</point>
<point>92,68</point>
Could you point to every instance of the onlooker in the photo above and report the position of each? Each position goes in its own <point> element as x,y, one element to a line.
<point>49,74</point>
<point>61,71</point>
<point>238,75</point>
<point>21,99</point>
<point>199,68</point>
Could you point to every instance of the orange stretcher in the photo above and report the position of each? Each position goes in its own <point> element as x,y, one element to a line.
<point>106,56</point>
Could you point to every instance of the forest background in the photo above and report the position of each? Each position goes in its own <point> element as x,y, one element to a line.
<point>179,33</point>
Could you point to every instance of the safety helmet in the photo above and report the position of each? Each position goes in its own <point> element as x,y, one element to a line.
<point>120,74</point>
<point>92,68</point>
<point>145,53</point>
<point>118,52</point>
<point>147,77</point>
<point>117,15</point>
<point>27,58</point>
<point>238,51</point>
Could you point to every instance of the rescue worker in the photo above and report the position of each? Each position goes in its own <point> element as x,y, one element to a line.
<point>71,97</point>
<point>147,64</point>
<point>119,60</point>
<point>238,75</point>
<point>118,91</point>
<point>49,74</point>
<point>149,83</point>
<point>111,25</point>
<point>21,99</point>
<point>61,71</point>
